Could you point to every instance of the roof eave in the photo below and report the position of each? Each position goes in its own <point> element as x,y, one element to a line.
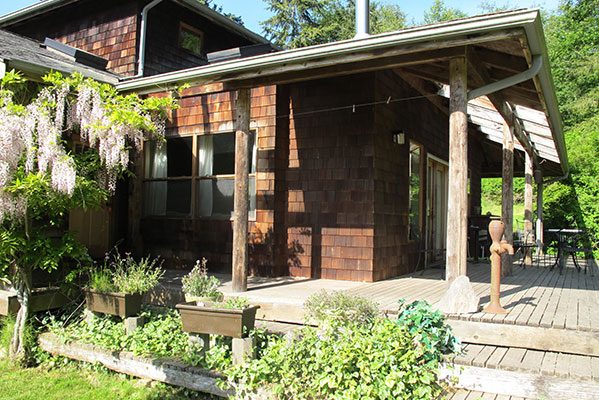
<point>40,70</point>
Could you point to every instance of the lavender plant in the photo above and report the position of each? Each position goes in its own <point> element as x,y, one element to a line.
<point>41,177</point>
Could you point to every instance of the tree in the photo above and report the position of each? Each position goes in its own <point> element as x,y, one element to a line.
<point>299,23</point>
<point>42,178</point>
<point>219,9</point>
<point>573,39</point>
<point>439,12</point>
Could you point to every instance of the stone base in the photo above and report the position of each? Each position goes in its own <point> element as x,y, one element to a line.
<point>459,298</point>
<point>200,341</point>
<point>133,323</point>
<point>243,349</point>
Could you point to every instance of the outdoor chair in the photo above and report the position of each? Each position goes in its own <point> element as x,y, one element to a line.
<point>525,245</point>
<point>582,243</point>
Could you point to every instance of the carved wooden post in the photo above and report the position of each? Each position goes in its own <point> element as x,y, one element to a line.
<point>528,172</point>
<point>457,217</point>
<point>241,203</point>
<point>507,195</point>
<point>498,247</point>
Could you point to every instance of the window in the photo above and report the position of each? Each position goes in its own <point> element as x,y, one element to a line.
<point>172,185</point>
<point>415,188</point>
<point>191,39</point>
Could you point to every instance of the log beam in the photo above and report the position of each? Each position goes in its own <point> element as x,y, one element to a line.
<point>528,177</point>
<point>457,216</point>
<point>241,202</point>
<point>481,78</point>
<point>507,196</point>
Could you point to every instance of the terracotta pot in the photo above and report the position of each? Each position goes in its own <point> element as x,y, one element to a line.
<point>119,304</point>
<point>209,319</point>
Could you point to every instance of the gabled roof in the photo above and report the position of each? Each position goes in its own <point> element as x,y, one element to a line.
<point>45,6</point>
<point>33,58</point>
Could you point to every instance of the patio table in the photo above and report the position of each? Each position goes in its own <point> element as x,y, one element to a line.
<point>563,235</point>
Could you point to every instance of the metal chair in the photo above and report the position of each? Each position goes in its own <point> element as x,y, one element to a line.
<point>581,243</point>
<point>527,245</point>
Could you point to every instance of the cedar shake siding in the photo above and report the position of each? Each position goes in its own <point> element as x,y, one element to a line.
<point>106,28</point>
<point>164,53</point>
<point>332,188</point>
<point>182,240</point>
<point>329,179</point>
<point>110,29</point>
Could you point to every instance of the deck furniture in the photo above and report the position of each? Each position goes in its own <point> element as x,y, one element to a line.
<point>566,239</point>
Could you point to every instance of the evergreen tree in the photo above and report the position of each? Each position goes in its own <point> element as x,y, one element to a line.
<point>299,23</point>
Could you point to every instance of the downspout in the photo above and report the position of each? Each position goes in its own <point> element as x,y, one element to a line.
<point>537,63</point>
<point>143,37</point>
<point>362,19</point>
<point>2,68</point>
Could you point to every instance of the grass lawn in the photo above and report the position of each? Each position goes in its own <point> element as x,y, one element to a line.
<point>494,207</point>
<point>73,383</point>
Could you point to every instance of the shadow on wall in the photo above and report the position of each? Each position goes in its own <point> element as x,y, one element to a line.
<point>262,254</point>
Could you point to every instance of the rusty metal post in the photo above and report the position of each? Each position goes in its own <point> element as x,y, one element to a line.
<point>498,247</point>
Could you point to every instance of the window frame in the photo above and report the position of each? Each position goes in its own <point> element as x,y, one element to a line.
<point>195,31</point>
<point>421,188</point>
<point>196,178</point>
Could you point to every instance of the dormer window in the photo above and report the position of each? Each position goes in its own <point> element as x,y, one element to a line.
<point>191,39</point>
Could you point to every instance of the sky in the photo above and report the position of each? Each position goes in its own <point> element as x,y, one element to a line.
<point>254,11</point>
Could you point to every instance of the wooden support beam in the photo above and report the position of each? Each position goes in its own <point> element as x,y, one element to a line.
<point>457,215</point>
<point>528,177</point>
<point>539,227</point>
<point>241,202</point>
<point>422,87</point>
<point>507,196</point>
<point>481,77</point>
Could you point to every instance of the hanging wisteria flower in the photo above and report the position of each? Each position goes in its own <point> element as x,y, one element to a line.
<point>64,175</point>
<point>35,137</point>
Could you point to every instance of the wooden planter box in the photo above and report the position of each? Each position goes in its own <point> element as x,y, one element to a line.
<point>208,319</point>
<point>41,299</point>
<point>119,304</point>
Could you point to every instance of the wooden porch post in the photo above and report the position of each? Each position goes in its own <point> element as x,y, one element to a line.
<point>457,216</point>
<point>460,296</point>
<point>241,203</point>
<point>539,233</point>
<point>507,196</point>
<point>528,172</point>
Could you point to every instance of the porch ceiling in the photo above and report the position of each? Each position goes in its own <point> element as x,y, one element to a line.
<point>497,46</point>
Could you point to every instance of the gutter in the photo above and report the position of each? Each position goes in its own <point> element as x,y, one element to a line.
<point>298,58</point>
<point>143,36</point>
<point>496,86</point>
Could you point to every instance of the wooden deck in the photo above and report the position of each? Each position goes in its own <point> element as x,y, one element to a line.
<point>533,296</point>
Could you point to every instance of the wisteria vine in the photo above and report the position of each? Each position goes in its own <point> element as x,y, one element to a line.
<point>35,136</point>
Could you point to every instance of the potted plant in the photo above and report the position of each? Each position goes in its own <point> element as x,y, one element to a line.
<point>118,287</point>
<point>206,312</point>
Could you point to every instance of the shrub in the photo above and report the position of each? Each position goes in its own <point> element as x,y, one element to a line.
<point>372,361</point>
<point>235,303</point>
<point>199,283</point>
<point>126,275</point>
<point>428,327</point>
<point>339,308</point>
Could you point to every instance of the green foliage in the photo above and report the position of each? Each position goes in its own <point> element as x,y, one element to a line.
<point>339,308</point>
<point>199,283</point>
<point>354,354</point>
<point>573,39</point>
<point>371,361</point>
<point>428,327</point>
<point>439,12</point>
<point>7,327</point>
<point>125,275</point>
<point>299,23</point>
<point>162,336</point>
<point>234,303</point>
<point>74,381</point>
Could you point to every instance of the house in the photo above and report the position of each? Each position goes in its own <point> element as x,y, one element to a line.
<point>364,157</point>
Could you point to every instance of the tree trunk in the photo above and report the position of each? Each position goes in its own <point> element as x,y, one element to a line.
<point>17,344</point>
